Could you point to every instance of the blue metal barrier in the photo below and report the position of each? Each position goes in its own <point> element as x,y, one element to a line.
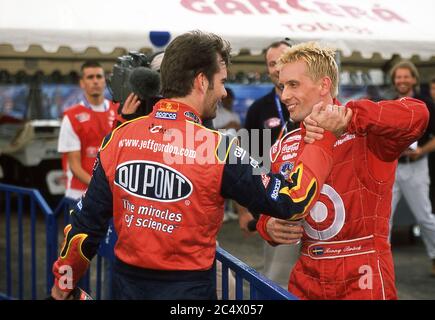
<point>259,286</point>
<point>35,201</point>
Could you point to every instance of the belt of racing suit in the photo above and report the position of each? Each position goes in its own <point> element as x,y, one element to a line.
<point>162,275</point>
<point>338,249</point>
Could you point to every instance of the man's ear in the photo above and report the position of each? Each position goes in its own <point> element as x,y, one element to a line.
<point>325,86</point>
<point>202,82</point>
<point>82,85</point>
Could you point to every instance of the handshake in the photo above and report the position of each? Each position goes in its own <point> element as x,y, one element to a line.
<point>326,117</point>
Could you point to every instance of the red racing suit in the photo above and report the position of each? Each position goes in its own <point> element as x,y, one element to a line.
<point>345,252</point>
<point>163,178</point>
<point>91,127</point>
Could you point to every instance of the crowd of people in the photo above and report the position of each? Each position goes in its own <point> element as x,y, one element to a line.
<point>320,186</point>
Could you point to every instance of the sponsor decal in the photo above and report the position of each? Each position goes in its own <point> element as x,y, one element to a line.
<point>317,251</point>
<point>289,156</point>
<point>265,179</point>
<point>287,148</point>
<point>274,148</point>
<point>80,204</point>
<point>83,117</point>
<point>156,129</point>
<point>166,115</point>
<point>157,219</point>
<point>167,106</point>
<point>328,196</point>
<point>286,169</point>
<point>272,123</point>
<point>152,180</point>
<point>192,116</point>
<point>346,138</point>
<point>275,190</point>
<point>293,138</point>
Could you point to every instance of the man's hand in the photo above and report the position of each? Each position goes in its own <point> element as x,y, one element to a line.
<point>313,131</point>
<point>244,218</point>
<point>330,117</point>
<point>416,154</point>
<point>283,231</point>
<point>58,294</point>
<point>131,104</point>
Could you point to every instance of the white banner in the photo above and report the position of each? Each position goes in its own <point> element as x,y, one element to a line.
<point>367,26</point>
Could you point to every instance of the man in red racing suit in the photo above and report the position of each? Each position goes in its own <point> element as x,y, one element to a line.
<point>345,252</point>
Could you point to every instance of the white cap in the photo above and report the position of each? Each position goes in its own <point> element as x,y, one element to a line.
<point>157,61</point>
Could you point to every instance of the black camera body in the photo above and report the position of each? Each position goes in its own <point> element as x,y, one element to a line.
<point>132,73</point>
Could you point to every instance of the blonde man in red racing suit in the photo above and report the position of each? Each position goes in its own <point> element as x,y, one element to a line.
<point>345,252</point>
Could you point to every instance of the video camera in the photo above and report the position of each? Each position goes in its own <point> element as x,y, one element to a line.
<point>132,73</point>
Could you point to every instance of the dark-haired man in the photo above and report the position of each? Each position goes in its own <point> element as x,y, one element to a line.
<point>83,128</point>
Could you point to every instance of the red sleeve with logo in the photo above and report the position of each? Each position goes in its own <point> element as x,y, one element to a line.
<point>306,179</point>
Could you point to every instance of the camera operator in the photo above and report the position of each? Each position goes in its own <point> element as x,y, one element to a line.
<point>135,84</point>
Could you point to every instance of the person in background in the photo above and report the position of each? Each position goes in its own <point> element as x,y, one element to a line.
<point>412,175</point>
<point>269,114</point>
<point>83,128</point>
<point>226,118</point>
<point>82,131</point>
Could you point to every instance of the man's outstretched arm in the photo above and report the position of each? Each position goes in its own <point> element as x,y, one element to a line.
<point>89,223</point>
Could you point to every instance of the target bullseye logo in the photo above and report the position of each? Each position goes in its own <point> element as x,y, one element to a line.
<point>319,213</point>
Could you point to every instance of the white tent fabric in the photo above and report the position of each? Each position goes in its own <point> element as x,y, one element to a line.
<point>366,26</point>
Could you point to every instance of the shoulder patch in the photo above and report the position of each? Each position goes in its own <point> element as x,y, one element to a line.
<point>276,149</point>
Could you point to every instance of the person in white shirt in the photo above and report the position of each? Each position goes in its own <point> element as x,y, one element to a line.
<point>83,128</point>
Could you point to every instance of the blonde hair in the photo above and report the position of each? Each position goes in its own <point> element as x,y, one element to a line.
<point>320,62</point>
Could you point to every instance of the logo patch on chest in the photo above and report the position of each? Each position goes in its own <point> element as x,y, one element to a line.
<point>152,180</point>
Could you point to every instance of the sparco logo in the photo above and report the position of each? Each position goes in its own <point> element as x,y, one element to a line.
<point>166,115</point>
<point>152,180</point>
<point>275,190</point>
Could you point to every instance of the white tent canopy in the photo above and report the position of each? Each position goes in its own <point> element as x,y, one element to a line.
<point>366,26</point>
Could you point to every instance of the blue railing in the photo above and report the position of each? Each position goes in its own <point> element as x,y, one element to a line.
<point>259,286</point>
<point>19,199</point>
